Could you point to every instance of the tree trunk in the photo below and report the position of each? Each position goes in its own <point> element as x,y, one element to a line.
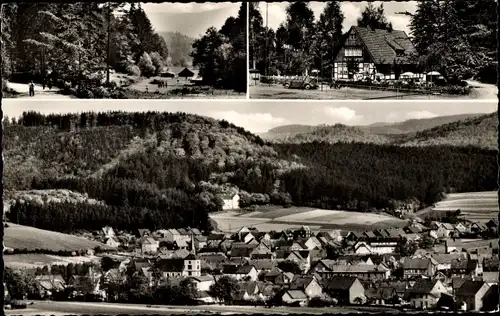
<point>108,45</point>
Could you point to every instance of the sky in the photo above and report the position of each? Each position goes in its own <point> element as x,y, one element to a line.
<point>191,19</point>
<point>261,116</point>
<point>352,11</point>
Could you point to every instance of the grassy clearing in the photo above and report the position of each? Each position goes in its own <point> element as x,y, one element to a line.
<point>276,218</point>
<point>473,206</point>
<point>25,237</point>
<point>29,261</point>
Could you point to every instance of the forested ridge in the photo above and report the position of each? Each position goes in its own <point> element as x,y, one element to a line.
<point>479,130</point>
<point>171,169</point>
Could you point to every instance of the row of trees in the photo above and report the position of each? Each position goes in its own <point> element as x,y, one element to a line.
<point>221,54</point>
<point>457,37</point>
<point>79,42</point>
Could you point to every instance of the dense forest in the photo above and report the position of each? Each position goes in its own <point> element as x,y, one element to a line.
<point>455,37</point>
<point>221,54</point>
<point>80,42</point>
<point>171,169</point>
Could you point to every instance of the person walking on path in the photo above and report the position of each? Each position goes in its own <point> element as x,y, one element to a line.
<point>43,85</point>
<point>32,89</point>
<point>49,84</point>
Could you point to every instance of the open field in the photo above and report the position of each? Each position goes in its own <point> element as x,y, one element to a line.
<point>21,237</point>
<point>263,91</point>
<point>278,218</point>
<point>60,308</point>
<point>30,261</point>
<point>473,206</point>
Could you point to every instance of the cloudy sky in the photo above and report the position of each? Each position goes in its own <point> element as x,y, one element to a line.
<point>259,117</point>
<point>352,11</point>
<point>191,19</point>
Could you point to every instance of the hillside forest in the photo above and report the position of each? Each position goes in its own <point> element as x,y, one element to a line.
<point>78,46</point>
<point>454,37</point>
<point>170,170</point>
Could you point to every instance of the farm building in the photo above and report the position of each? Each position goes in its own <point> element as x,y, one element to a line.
<point>374,53</point>
<point>231,201</point>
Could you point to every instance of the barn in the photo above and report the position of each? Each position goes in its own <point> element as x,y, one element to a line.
<point>374,53</point>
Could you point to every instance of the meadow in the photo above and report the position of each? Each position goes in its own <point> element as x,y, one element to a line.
<point>277,218</point>
<point>473,206</point>
<point>30,238</point>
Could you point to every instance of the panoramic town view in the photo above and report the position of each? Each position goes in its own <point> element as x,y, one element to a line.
<point>238,207</point>
<point>412,50</point>
<point>129,50</point>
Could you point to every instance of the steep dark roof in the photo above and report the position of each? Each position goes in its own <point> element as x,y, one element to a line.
<point>341,283</point>
<point>413,264</point>
<point>423,286</point>
<point>170,265</point>
<point>469,288</point>
<point>382,44</point>
<point>186,73</point>
<point>301,282</point>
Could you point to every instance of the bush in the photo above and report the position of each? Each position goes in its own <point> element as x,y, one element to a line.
<point>101,92</point>
<point>146,65</point>
<point>133,70</point>
<point>85,94</point>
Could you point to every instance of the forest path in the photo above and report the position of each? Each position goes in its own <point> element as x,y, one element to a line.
<point>40,93</point>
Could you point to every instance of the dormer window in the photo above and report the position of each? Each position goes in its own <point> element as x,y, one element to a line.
<point>400,52</point>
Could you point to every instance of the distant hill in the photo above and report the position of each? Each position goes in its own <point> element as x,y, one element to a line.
<point>478,131</point>
<point>415,125</point>
<point>457,130</point>
<point>327,133</point>
<point>179,48</point>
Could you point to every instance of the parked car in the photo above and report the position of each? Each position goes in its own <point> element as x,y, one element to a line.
<point>307,83</point>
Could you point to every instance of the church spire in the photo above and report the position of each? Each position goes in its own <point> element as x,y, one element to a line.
<point>193,248</point>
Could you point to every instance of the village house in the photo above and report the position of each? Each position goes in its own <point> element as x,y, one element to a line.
<point>374,53</point>
<point>345,289</point>
<point>108,232</point>
<point>203,282</point>
<point>365,272</point>
<point>376,247</point>
<point>175,268</point>
<point>308,284</point>
<point>47,285</point>
<point>149,245</point>
<point>113,242</point>
<point>466,267</point>
<point>471,295</point>
<point>419,267</point>
<point>231,201</point>
<point>294,297</point>
<point>241,272</point>
<point>143,233</point>
<point>425,293</point>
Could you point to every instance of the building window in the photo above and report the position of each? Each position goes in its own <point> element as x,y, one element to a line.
<point>190,267</point>
<point>189,273</point>
<point>353,52</point>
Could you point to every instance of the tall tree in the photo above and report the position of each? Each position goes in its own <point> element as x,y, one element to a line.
<point>300,27</point>
<point>374,18</point>
<point>328,35</point>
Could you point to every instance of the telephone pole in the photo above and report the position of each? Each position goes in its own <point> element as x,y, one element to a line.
<point>267,41</point>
